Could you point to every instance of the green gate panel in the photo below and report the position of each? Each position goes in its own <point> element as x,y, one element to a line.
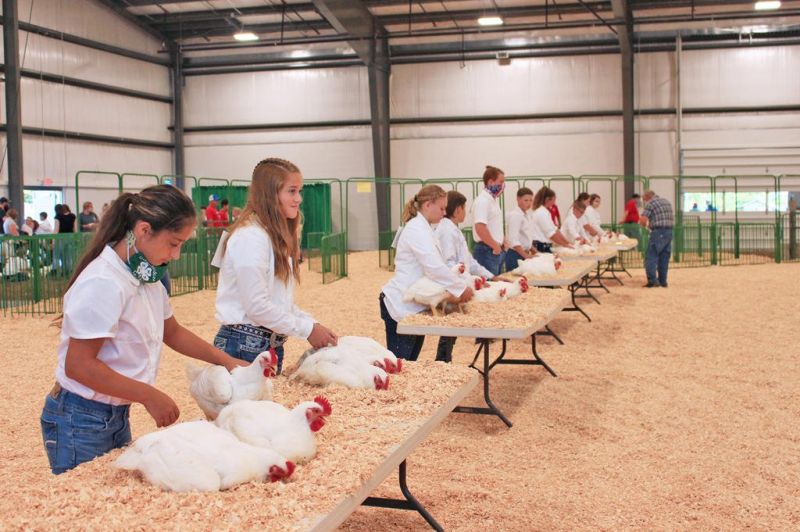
<point>316,209</point>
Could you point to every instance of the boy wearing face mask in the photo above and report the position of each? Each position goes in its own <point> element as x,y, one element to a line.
<point>487,222</point>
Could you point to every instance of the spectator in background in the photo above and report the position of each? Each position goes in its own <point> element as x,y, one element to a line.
<point>45,227</point>
<point>695,208</point>
<point>30,227</point>
<point>88,218</point>
<point>222,214</point>
<point>62,251</point>
<point>236,212</point>
<point>10,225</point>
<point>3,210</point>
<point>630,222</point>
<point>212,214</point>
<point>554,214</point>
<point>659,217</point>
<point>103,209</point>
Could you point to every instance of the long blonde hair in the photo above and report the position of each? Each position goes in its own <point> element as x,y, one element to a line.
<point>426,193</point>
<point>263,207</point>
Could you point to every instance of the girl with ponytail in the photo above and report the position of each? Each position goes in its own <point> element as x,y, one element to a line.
<point>258,259</point>
<point>116,318</point>
<point>418,255</point>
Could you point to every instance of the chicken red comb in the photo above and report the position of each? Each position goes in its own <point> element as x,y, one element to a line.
<point>324,403</point>
<point>290,467</point>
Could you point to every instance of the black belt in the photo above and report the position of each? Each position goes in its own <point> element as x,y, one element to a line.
<point>275,339</point>
<point>666,227</point>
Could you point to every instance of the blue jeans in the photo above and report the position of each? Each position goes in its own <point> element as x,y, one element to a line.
<point>512,260</point>
<point>402,345</point>
<point>486,258</point>
<point>658,252</point>
<point>444,351</point>
<point>244,345</point>
<point>76,430</point>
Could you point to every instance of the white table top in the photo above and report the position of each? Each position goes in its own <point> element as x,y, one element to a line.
<point>624,245</point>
<point>469,332</point>
<point>404,448</point>
<point>602,255</point>
<point>564,281</point>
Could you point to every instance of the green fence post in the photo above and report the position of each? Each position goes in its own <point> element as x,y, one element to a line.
<point>36,273</point>
<point>736,239</point>
<point>778,242</point>
<point>201,255</point>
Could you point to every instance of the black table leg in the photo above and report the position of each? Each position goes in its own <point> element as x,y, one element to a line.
<point>490,407</point>
<point>575,308</point>
<point>409,503</point>
<point>549,332</point>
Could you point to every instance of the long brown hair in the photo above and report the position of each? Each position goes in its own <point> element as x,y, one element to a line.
<point>164,207</point>
<point>263,207</point>
<point>542,195</point>
<point>426,193</point>
<point>455,200</point>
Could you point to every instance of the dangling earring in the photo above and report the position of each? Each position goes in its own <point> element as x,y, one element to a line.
<point>130,239</point>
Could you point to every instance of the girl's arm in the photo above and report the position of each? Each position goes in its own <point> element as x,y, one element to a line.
<point>189,344</point>
<point>82,365</point>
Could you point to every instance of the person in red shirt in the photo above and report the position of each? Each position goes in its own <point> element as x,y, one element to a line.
<point>630,223</point>
<point>222,214</point>
<point>555,215</point>
<point>212,214</point>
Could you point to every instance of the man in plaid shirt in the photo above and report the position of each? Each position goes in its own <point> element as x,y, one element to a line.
<point>659,216</point>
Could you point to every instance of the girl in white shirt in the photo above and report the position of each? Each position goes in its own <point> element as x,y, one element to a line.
<point>454,250</point>
<point>586,221</point>
<point>487,222</point>
<point>116,319</point>
<point>418,254</point>
<point>545,232</point>
<point>520,230</point>
<point>257,258</point>
<point>593,214</point>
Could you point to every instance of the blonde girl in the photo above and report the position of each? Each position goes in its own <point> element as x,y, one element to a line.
<point>257,258</point>
<point>418,254</point>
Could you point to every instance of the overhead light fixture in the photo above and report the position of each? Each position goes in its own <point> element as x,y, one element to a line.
<point>490,21</point>
<point>245,36</point>
<point>300,53</point>
<point>766,5</point>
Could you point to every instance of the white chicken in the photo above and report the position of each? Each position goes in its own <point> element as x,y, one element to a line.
<point>199,456</point>
<point>214,387</point>
<point>496,291</point>
<point>539,264</point>
<point>430,293</point>
<point>372,352</point>
<point>273,426</point>
<point>340,365</point>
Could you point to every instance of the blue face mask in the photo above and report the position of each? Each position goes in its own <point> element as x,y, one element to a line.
<point>141,268</point>
<point>495,190</point>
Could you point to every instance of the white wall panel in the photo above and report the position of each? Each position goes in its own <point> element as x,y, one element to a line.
<point>654,80</point>
<point>277,97</point>
<point>741,77</point>
<point>536,85</point>
<point>88,19</point>
<point>55,106</point>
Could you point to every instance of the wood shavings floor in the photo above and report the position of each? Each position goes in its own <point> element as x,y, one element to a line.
<point>674,408</point>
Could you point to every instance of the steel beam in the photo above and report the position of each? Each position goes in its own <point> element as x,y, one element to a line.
<point>622,9</point>
<point>13,129</point>
<point>369,41</point>
<point>176,71</point>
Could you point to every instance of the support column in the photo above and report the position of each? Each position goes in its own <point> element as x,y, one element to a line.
<point>622,9</point>
<point>379,71</point>
<point>16,182</point>
<point>177,113</point>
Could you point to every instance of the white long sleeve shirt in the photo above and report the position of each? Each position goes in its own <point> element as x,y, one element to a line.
<point>520,227</point>
<point>486,210</point>
<point>454,248</point>
<point>543,226</point>
<point>248,292</point>
<point>573,227</point>
<point>418,255</point>
<point>592,217</point>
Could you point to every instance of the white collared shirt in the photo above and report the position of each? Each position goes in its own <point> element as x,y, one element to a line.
<point>454,248</point>
<point>520,228</point>
<point>486,210</point>
<point>418,255</point>
<point>248,292</point>
<point>573,227</point>
<point>543,226</point>
<point>106,301</point>
<point>592,217</point>
<point>45,228</point>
